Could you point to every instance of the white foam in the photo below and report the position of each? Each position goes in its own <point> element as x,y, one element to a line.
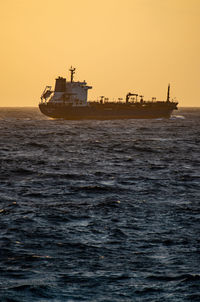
<point>174,117</point>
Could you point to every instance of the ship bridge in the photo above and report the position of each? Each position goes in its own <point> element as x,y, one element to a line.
<point>72,92</point>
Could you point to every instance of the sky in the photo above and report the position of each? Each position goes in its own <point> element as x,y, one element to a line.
<point>117,46</point>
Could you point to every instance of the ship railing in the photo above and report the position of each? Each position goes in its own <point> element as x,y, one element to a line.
<point>122,101</point>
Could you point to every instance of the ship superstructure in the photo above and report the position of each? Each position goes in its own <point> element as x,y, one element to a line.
<point>69,101</point>
<point>67,92</point>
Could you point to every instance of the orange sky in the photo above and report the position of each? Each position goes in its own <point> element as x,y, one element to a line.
<point>117,46</point>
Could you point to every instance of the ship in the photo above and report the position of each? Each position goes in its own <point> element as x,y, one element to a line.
<point>69,100</point>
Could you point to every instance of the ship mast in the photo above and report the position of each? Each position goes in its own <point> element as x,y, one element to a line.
<point>168,93</point>
<point>72,70</point>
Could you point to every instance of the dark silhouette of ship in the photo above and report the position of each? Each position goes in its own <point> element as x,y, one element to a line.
<point>69,101</point>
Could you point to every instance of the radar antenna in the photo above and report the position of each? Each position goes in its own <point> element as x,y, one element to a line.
<point>72,70</point>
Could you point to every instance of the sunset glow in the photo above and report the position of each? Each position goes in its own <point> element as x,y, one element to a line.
<point>117,46</point>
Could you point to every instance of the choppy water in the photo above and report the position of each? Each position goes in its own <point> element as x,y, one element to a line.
<point>99,210</point>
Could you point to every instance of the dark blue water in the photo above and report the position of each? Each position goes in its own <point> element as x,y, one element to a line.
<point>99,210</point>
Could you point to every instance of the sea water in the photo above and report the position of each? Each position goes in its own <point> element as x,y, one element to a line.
<point>99,210</point>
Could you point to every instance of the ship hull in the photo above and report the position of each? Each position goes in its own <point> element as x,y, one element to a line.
<point>108,111</point>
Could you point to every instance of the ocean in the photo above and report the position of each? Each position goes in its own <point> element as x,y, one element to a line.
<point>99,211</point>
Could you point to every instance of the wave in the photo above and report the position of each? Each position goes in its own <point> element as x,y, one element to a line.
<point>175,117</point>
